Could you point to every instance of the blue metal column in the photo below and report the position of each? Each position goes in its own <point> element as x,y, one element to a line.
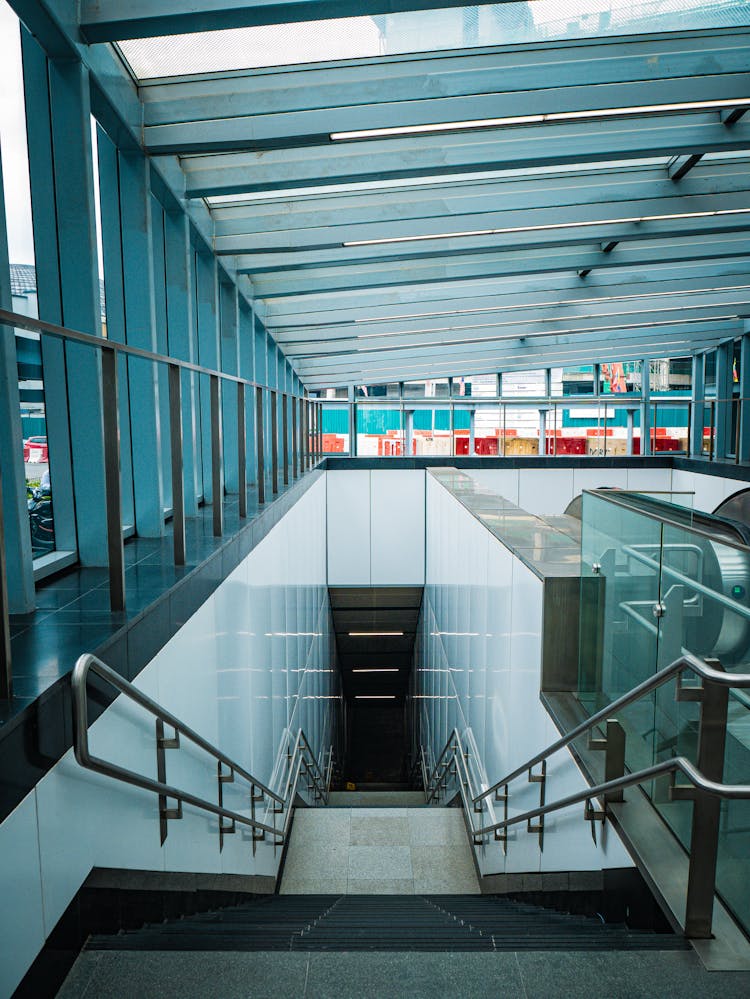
<point>140,331</point>
<point>743,445</point>
<point>696,413</point>
<point>261,363</point>
<point>645,407</point>
<point>724,354</point>
<point>109,198</point>
<point>162,343</point>
<point>44,214</point>
<point>247,370</point>
<point>61,173</point>
<point>15,514</point>
<point>208,354</point>
<point>183,342</point>
<point>229,327</point>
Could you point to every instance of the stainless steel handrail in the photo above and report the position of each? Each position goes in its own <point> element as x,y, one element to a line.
<point>685,662</point>
<point>301,759</point>
<point>705,787</point>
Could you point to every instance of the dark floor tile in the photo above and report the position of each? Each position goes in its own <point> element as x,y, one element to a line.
<point>127,975</point>
<point>51,648</point>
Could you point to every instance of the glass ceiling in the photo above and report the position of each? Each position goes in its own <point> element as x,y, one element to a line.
<point>420,31</point>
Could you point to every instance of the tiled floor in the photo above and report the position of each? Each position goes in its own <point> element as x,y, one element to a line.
<point>73,614</point>
<point>379,851</point>
<point>526,975</point>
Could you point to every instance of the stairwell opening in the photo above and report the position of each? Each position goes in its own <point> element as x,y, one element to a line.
<point>375,630</point>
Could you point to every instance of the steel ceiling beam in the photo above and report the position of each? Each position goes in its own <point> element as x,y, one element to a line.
<point>525,73</point>
<point>364,306</point>
<point>511,148</point>
<point>388,274</point>
<point>518,227</point>
<point>111,20</point>
<point>587,186</point>
<point>529,319</point>
<point>547,291</point>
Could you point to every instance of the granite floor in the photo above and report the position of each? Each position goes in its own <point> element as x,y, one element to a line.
<point>523,975</point>
<point>379,851</point>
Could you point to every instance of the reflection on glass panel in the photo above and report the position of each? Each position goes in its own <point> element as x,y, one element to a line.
<point>23,284</point>
<point>572,381</point>
<point>334,422</point>
<point>391,390</point>
<point>631,563</point>
<point>528,383</point>
<point>431,431</point>
<point>671,375</point>
<point>475,385</point>
<point>379,431</point>
<point>487,429</point>
<point>520,432</point>
<point>429,389</point>
<point>333,393</point>
<point>620,377</point>
<point>709,371</point>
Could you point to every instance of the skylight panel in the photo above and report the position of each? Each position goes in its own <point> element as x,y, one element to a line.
<point>418,31</point>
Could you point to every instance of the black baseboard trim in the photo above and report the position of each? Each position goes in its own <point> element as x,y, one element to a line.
<point>113,900</point>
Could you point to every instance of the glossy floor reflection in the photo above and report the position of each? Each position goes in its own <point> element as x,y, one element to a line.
<point>73,614</point>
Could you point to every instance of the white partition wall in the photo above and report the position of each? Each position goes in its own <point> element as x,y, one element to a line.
<point>478,668</point>
<point>376,527</point>
<point>256,660</point>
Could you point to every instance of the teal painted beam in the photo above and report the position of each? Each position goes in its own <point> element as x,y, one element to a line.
<point>390,273</point>
<point>108,20</point>
<point>313,128</point>
<point>420,80</point>
<point>512,147</point>
<point>502,228</point>
<point>301,311</point>
<point>452,203</point>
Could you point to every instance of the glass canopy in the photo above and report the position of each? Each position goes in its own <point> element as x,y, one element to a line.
<point>420,31</point>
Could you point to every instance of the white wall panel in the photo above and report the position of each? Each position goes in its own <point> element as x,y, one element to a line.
<point>397,526</point>
<point>348,511</point>
<point>488,684</point>
<point>504,481</point>
<point>545,490</point>
<point>258,647</point>
<point>21,911</point>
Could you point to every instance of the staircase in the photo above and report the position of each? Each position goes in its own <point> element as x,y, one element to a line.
<point>389,923</point>
<point>385,850</point>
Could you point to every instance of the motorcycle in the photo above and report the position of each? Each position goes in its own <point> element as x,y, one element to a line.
<point>41,522</point>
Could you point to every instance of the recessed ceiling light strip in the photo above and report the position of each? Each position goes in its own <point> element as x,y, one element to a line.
<point>400,131</point>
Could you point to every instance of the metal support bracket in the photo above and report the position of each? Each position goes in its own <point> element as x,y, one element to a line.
<point>162,745</point>
<point>594,815</point>
<point>224,778</point>
<point>541,779</point>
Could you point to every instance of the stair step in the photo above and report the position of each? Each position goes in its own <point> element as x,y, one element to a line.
<point>385,923</point>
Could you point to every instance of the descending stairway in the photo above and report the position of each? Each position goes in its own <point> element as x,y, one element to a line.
<point>386,923</point>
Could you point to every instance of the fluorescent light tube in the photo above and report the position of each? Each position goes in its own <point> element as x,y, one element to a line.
<point>548,226</point>
<point>400,131</point>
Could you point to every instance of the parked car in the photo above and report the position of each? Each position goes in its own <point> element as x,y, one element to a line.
<point>35,450</point>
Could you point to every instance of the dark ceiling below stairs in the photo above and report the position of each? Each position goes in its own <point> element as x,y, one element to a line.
<point>370,610</point>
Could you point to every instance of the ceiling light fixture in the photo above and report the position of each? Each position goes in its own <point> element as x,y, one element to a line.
<point>376,634</point>
<point>388,669</point>
<point>547,227</point>
<point>401,131</point>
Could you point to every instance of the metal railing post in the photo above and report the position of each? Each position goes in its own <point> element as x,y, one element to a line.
<point>175,448</point>
<point>295,437</point>
<point>285,437</point>
<point>6,665</point>
<point>217,483</point>
<point>241,449</point>
<point>259,444</point>
<point>704,837</point>
<point>115,548</point>
<point>274,442</point>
